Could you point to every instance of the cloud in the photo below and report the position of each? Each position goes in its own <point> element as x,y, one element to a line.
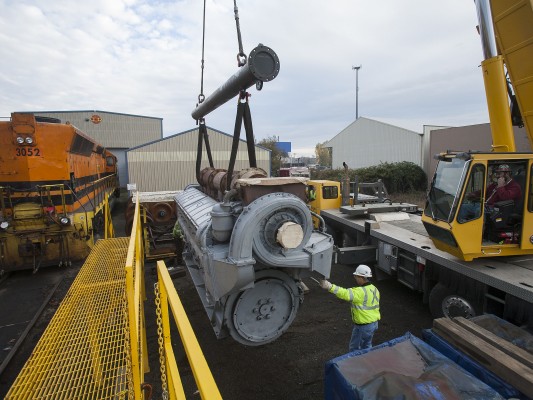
<point>419,61</point>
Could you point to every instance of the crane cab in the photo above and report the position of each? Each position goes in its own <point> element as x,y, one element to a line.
<point>463,215</point>
<point>323,195</point>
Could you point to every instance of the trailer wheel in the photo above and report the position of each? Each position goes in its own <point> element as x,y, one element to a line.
<point>443,302</point>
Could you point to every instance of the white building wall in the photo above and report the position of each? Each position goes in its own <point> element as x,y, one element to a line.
<point>170,163</point>
<point>367,142</point>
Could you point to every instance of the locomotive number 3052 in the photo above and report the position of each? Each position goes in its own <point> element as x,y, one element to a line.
<point>27,152</point>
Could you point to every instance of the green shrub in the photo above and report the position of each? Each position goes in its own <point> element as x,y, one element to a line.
<point>400,177</point>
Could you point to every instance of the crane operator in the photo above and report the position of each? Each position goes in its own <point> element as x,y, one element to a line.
<point>504,188</point>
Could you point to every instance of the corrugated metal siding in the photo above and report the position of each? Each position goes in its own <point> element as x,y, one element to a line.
<point>170,164</point>
<point>426,146</point>
<point>122,166</point>
<point>367,142</point>
<point>471,137</point>
<point>114,130</point>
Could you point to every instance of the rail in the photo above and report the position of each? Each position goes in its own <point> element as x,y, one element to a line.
<point>166,295</point>
<point>135,290</point>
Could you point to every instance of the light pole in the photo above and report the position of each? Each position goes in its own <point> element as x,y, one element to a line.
<point>357,90</point>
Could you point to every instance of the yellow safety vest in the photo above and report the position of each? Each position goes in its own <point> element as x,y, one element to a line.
<point>364,302</point>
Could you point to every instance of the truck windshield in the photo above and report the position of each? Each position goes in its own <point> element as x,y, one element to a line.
<point>445,189</point>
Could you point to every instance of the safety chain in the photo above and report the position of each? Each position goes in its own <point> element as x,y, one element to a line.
<point>131,392</point>
<point>162,361</point>
<point>241,57</point>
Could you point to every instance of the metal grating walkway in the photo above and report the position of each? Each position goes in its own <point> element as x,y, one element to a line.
<point>82,354</point>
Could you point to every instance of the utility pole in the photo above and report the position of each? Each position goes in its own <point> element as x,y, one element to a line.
<point>357,90</point>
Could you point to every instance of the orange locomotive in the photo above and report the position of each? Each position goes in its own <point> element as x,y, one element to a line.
<point>54,183</point>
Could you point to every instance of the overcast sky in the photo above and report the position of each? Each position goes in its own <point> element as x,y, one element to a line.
<point>420,62</point>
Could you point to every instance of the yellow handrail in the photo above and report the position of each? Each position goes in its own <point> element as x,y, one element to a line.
<point>109,230</point>
<point>135,290</point>
<point>202,374</point>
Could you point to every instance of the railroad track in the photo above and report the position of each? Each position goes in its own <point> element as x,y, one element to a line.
<point>24,297</point>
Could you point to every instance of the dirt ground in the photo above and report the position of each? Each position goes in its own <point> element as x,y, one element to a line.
<point>292,367</point>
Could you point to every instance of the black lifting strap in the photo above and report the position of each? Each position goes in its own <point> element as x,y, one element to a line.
<point>202,136</point>
<point>243,114</point>
<point>250,141</point>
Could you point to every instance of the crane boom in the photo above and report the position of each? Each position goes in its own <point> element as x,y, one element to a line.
<point>513,27</point>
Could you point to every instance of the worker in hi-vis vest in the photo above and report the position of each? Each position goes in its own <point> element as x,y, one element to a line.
<point>364,302</point>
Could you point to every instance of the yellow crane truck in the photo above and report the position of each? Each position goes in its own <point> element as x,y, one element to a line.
<point>484,263</point>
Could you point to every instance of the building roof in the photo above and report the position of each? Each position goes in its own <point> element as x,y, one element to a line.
<point>87,111</point>
<point>190,131</point>
<point>362,121</point>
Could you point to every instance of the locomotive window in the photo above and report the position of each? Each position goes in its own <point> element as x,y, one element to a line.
<point>82,146</point>
<point>110,161</point>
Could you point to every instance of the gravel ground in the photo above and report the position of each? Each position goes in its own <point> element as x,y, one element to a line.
<point>291,367</point>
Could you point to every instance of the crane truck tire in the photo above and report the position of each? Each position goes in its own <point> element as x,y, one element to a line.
<point>443,302</point>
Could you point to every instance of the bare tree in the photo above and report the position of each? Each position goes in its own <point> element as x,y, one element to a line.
<point>276,155</point>
<point>323,154</point>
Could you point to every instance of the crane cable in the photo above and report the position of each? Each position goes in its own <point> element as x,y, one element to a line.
<point>202,129</point>
<point>201,96</point>
<point>243,114</point>
<point>241,57</point>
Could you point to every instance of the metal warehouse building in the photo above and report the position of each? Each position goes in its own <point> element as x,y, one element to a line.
<point>366,142</point>
<point>117,132</point>
<point>471,137</point>
<point>170,163</point>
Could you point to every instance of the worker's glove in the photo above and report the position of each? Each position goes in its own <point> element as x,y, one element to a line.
<point>501,182</point>
<point>324,284</point>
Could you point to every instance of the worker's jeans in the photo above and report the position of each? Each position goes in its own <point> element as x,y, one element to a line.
<point>362,336</point>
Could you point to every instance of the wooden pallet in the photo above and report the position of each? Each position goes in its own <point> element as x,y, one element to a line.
<point>509,362</point>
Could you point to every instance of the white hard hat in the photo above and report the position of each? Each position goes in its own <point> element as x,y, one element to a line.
<point>364,271</point>
<point>503,168</point>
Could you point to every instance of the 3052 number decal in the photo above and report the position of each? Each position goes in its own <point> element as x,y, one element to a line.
<point>27,152</point>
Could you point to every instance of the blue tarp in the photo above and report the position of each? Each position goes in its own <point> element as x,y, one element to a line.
<point>507,331</point>
<point>470,365</point>
<point>403,368</point>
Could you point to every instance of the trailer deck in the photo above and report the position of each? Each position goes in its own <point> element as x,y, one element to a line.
<point>513,275</point>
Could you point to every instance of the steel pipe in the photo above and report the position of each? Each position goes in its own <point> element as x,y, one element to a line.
<point>262,66</point>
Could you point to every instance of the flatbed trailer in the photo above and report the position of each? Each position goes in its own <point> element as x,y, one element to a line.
<point>401,249</point>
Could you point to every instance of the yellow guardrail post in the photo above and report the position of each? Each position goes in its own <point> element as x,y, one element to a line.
<point>172,379</point>
<point>134,290</point>
<point>202,374</point>
<point>109,230</point>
